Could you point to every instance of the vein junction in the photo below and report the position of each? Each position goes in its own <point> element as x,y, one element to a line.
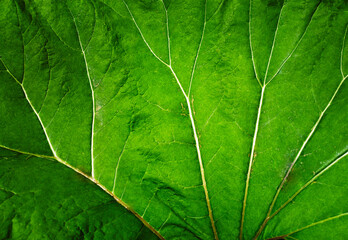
<point>269,216</point>
<point>263,86</point>
<point>92,92</point>
<point>188,102</point>
<point>187,98</point>
<point>56,157</point>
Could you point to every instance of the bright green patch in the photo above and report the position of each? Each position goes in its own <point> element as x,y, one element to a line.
<point>205,118</point>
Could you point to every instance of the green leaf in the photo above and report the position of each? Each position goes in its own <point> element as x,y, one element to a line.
<point>42,199</point>
<point>205,119</point>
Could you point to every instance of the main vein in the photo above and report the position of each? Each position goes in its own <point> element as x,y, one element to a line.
<point>265,83</point>
<point>56,157</point>
<point>251,163</point>
<point>118,200</point>
<point>269,216</point>
<point>187,98</point>
<point>263,88</point>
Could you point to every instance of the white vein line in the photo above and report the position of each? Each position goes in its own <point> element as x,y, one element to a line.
<point>168,37</point>
<point>297,157</point>
<point>199,155</point>
<point>311,133</point>
<point>342,51</point>
<point>310,225</point>
<point>307,139</point>
<point>267,218</point>
<point>118,200</point>
<point>170,213</point>
<point>257,125</point>
<point>148,204</point>
<point>217,10</point>
<point>42,125</point>
<point>251,163</point>
<point>273,44</point>
<point>118,163</point>
<point>210,212</point>
<point>251,47</point>
<point>32,107</point>
<point>212,158</point>
<point>92,92</point>
<point>191,119</point>
<point>26,153</point>
<point>180,86</point>
<point>142,36</point>
<point>210,116</point>
<point>199,48</point>
<point>308,183</point>
<point>296,46</point>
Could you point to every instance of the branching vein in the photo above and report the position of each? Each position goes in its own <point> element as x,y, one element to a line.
<point>92,92</point>
<point>142,36</point>
<point>251,163</point>
<point>263,88</point>
<point>308,183</point>
<point>56,157</point>
<point>187,98</point>
<point>118,162</point>
<point>310,225</point>
<point>268,217</point>
<point>251,47</point>
<point>296,46</point>
<point>199,47</point>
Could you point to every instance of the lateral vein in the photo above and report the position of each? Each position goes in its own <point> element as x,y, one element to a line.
<point>187,98</point>
<point>118,200</point>
<point>263,88</point>
<point>268,217</point>
<point>199,48</point>
<point>296,46</point>
<point>92,92</point>
<point>308,183</point>
<point>91,178</point>
<point>251,47</point>
<point>310,225</point>
<point>342,51</point>
<point>251,162</point>
<point>168,37</point>
<point>26,153</point>
<point>142,36</point>
<point>118,162</point>
<point>32,107</point>
<point>273,44</point>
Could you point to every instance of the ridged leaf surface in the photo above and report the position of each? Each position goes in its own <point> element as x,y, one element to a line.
<point>206,119</point>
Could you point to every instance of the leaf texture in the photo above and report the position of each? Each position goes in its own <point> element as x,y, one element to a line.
<point>42,199</point>
<point>205,119</point>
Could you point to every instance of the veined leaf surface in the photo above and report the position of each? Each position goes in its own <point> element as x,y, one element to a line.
<point>205,119</point>
<point>42,199</point>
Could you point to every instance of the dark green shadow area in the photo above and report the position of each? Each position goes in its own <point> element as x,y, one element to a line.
<point>42,199</point>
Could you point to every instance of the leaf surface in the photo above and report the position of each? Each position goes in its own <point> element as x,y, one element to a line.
<point>206,119</point>
<point>42,199</point>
